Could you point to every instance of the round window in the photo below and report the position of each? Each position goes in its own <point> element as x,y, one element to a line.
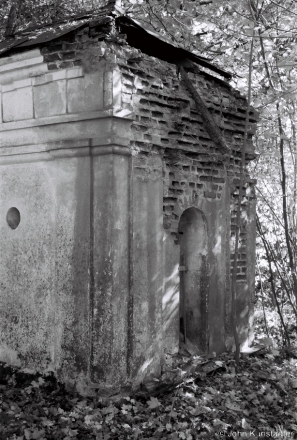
<point>13,218</point>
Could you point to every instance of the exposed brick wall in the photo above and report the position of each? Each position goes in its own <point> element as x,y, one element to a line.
<point>167,123</point>
<point>248,197</point>
<point>62,53</point>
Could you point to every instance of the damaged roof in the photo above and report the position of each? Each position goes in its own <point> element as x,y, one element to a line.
<point>138,36</point>
<point>38,35</point>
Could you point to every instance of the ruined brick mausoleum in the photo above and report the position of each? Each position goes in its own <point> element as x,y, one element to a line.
<point>117,207</point>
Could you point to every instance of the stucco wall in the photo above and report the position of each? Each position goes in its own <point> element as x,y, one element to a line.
<point>111,276</point>
<point>102,157</point>
<point>64,164</point>
<point>147,265</point>
<point>44,263</point>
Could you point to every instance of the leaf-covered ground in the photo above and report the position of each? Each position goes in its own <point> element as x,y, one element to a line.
<point>197,398</point>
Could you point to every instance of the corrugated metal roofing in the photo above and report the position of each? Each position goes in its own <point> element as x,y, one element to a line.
<point>34,36</point>
<point>37,37</point>
<point>49,35</point>
<point>172,51</point>
<point>6,45</point>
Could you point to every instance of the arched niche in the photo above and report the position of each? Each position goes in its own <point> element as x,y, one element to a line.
<point>194,280</point>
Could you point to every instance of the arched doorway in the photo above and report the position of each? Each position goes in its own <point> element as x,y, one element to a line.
<point>194,280</point>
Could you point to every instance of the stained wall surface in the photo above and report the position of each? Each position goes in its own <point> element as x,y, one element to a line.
<point>65,166</point>
<point>102,158</point>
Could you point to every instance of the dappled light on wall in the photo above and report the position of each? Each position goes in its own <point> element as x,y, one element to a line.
<point>170,301</point>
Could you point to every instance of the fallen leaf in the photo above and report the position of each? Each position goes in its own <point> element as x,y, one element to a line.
<point>153,403</point>
<point>233,407</point>
<point>294,383</point>
<point>27,434</point>
<point>38,434</point>
<point>245,424</point>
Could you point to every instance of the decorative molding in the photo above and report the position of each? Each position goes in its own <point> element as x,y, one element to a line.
<point>57,150</point>
<point>60,119</point>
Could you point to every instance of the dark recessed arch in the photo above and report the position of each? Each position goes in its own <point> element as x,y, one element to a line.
<point>194,279</point>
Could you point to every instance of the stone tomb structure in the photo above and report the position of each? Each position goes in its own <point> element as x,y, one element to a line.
<point>117,208</point>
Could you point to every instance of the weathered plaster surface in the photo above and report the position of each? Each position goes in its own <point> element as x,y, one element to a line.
<point>147,265</point>
<point>27,263</point>
<point>111,267</point>
<point>65,166</point>
<point>102,159</point>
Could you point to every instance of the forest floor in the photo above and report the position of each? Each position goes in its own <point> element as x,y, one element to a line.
<point>196,398</point>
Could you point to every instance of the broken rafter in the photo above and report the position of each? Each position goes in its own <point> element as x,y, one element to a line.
<point>209,123</point>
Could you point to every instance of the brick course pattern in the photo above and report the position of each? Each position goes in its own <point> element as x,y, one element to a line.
<point>167,123</point>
